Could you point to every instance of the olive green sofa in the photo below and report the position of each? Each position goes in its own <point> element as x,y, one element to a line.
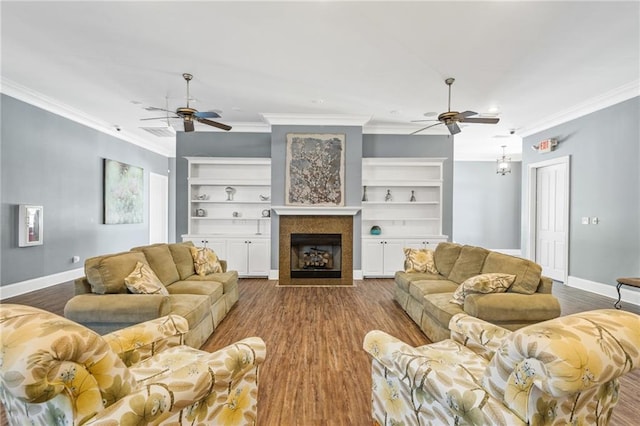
<point>427,297</point>
<point>103,303</point>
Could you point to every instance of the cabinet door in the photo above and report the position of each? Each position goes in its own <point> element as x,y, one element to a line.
<point>237,255</point>
<point>372,257</point>
<point>259,260</point>
<point>393,257</point>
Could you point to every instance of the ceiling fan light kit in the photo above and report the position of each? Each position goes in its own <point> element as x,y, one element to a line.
<point>452,118</point>
<point>503,163</point>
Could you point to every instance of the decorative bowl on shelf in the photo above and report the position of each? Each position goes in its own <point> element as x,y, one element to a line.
<point>375,230</point>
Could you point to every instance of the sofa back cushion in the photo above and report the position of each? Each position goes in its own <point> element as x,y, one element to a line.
<point>527,273</point>
<point>445,257</point>
<point>468,264</point>
<point>182,257</point>
<point>106,274</point>
<point>160,259</point>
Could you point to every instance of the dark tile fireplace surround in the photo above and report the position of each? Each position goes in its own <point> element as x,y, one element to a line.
<point>316,250</point>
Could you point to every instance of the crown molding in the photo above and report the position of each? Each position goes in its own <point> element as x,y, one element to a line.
<point>39,100</point>
<point>315,119</point>
<point>402,129</point>
<point>615,96</point>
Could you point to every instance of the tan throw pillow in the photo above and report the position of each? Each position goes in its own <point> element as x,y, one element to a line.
<point>419,260</point>
<point>205,261</point>
<point>142,280</point>
<point>483,284</point>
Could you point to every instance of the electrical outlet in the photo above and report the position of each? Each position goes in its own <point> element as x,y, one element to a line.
<point>75,259</point>
<point>585,220</point>
<point>595,220</point>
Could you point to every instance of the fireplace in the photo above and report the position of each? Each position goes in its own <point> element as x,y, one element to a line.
<point>316,255</point>
<point>324,243</point>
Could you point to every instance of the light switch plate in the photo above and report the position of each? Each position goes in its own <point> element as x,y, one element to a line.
<point>595,220</point>
<point>585,220</point>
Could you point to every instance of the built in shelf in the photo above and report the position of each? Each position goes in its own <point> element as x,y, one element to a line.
<point>315,211</point>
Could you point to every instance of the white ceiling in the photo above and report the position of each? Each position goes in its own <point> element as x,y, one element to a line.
<point>536,62</point>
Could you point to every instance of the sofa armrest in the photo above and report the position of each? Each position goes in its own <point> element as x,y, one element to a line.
<point>383,346</point>
<point>223,264</point>
<point>478,335</point>
<point>82,286</point>
<point>545,286</point>
<point>141,341</point>
<point>117,308</point>
<point>512,307</point>
<point>213,387</point>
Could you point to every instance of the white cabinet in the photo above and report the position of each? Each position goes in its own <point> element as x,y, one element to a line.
<point>230,210</point>
<point>249,256</point>
<point>382,257</point>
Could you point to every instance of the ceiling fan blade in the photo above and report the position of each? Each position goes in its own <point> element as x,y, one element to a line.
<point>465,114</point>
<point>188,125</point>
<point>453,128</point>
<point>483,120</point>
<point>424,128</point>
<point>206,114</point>
<point>214,124</point>
<point>157,118</point>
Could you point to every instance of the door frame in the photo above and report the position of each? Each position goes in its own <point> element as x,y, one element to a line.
<point>532,175</point>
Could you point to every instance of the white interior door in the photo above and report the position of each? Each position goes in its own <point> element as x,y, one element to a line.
<point>158,208</point>
<point>551,219</point>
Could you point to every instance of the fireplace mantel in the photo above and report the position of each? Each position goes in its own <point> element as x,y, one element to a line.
<point>315,211</point>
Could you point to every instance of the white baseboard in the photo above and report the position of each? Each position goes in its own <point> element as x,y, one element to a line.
<point>629,295</point>
<point>23,287</point>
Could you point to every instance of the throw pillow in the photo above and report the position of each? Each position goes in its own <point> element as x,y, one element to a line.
<point>205,261</point>
<point>483,284</point>
<point>142,280</point>
<point>419,260</point>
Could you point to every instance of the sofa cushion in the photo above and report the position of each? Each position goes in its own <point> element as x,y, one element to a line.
<point>205,261</point>
<point>438,306</point>
<point>228,279</point>
<point>419,260</point>
<point>404,279</point>
<point>193,307</point>
<point>468,264</point>
<point>142,280</point>
<point>482,284</point>
<point>212,289</point>
<point>160,259</point>
<point>106,273</point>
<point>527,272</point>
<point>418,289</point>
<point>182,258</point>
<point>445,257</point>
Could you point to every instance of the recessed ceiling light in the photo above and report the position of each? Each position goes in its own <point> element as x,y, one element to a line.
<point>494,110</point>
<point>395,112</point>
<point>236,108</point>
<point>317,101</point>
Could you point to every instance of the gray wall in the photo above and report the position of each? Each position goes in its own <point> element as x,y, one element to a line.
<point>486,205</point>
<point>604,148</point>
<point>52,161</point>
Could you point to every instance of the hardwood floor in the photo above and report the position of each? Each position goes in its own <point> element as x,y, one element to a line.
<point>316,372</point>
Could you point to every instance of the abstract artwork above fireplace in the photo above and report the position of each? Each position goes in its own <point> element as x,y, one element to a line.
<point>315,169</point>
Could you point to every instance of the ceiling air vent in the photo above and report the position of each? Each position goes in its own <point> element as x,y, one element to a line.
<point>161,132</point>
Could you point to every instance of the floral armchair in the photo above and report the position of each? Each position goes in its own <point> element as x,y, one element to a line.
<point>562,371</point>
<point>56,372</point>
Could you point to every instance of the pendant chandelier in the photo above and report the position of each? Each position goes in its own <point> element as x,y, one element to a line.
<point>503,163</point>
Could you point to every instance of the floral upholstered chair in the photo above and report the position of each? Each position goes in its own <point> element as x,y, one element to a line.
<point>558,372</point>
<point>56,372</point>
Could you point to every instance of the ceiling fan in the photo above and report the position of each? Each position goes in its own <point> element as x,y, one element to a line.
<point>452,118</point>
<point>190,115</point>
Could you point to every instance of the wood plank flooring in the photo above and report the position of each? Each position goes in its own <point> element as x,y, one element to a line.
<point>316,372</point>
